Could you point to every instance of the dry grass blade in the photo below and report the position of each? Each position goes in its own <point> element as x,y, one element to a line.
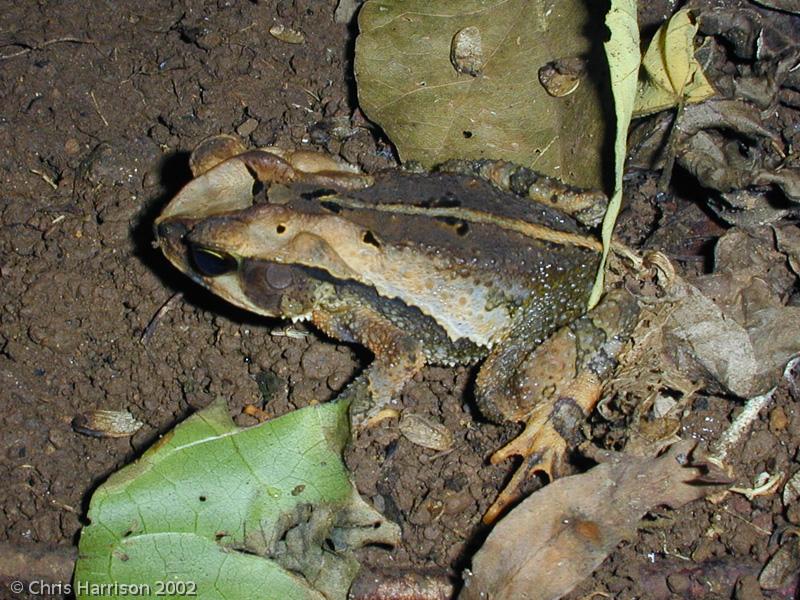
<point>26,48</point>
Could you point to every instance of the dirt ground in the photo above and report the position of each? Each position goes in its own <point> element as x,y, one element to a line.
<point>101,103</point>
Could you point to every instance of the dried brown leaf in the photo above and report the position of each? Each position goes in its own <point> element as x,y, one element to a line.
<point>561,533</point>
<point>670,72</point>
<point>733,326</point>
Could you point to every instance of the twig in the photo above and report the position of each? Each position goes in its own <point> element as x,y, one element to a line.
<point>30,48</point>
<point>760,530</point>
<point>766,488</point>
<point>97,108</point>
<point>666,550</point>
<point>165,308</point>
<point>671,147</point>
<point>47,179</point>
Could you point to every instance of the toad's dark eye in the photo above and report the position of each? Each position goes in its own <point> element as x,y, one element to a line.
<point>211,263</point>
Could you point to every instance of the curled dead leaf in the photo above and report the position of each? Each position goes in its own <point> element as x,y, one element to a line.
<point>670,72</point>
<point>106,423</point>
<point>425,432</point>
<point>733,327</point>
<point>561,533</point>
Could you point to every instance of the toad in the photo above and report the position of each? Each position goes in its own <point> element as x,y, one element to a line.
<point>421,268</point>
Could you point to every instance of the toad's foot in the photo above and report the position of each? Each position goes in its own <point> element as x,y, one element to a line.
<point>551,430</point>
<point>363,412</point>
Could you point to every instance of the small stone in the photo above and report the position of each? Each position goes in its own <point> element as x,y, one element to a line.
<point>246,128</point>
<point>425,432</point>
<point>793,514</point>
<point>158,133</point>
<point>778,421</point>
<point>782,567</point>
<point>209,41</point>
<point>431,533</point>
<point>791,491</point>
<point>316,362</point>
<point>151,179</point>
<point>72,146</point>
<point>286,34</point>
<point>346,10</point>
<point>747,588</point>
<point>460,503</point>
<point>703,551</point>
<point>421,517</point>
<point>679,583</point>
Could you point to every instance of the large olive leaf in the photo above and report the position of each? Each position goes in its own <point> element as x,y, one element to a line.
<point>408,84</point>
<point>217,512</point>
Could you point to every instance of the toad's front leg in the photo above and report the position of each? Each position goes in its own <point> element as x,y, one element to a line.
<point>398,357</point>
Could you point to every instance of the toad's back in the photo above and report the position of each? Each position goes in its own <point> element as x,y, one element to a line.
<point>520,260</point>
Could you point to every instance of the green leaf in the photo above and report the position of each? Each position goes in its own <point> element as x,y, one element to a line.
<point>670,73</point>
<point>462,80</point>
<point>622,51</point>
<point>232,513</point>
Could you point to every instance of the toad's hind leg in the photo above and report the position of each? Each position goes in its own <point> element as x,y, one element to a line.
<point>398,357</point>
<point>521,382</point>
<point>276,165</point>
<point>557,385</point>
<point>586,206</point>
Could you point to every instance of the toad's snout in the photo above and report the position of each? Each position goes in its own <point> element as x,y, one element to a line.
<point>167,231</point>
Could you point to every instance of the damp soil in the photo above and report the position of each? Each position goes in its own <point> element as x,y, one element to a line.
<point>102,102</point>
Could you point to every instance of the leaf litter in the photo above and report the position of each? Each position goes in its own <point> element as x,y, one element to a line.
<point>726,143</point>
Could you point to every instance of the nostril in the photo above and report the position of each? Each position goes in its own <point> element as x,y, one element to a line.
<point>170,230</point>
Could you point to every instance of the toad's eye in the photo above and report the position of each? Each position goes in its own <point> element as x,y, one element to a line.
<point>211,263</point>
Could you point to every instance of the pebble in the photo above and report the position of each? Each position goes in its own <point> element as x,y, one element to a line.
<point>248,127</point>
<point>778,421</point>
<point>72,146</point>
<point>286,34</point>
<point>425,432</point>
